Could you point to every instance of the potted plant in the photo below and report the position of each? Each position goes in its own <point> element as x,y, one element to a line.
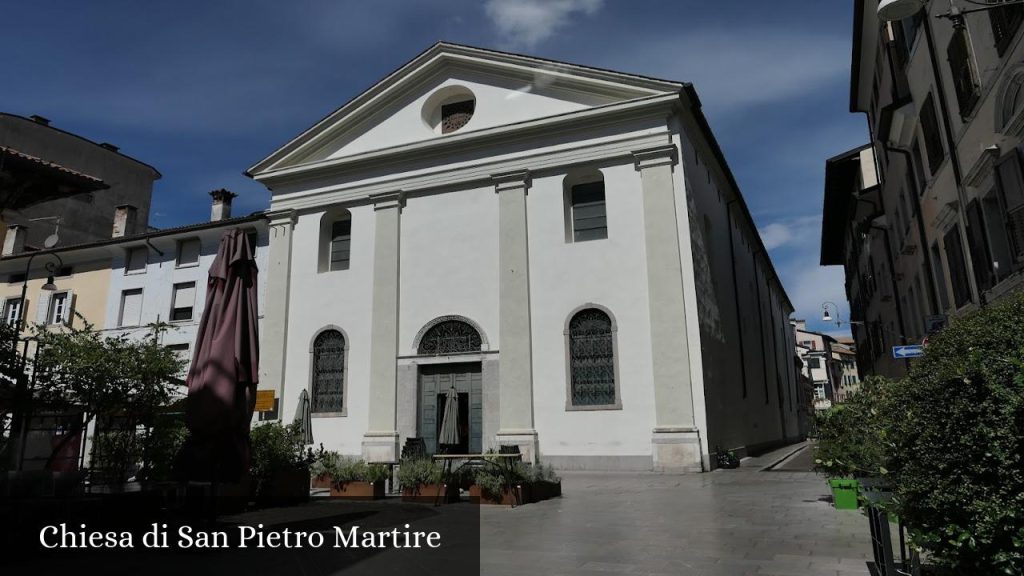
<point>849,445</point>
<point>320,470</point>
<point>492,487</point>
<point>421,481</point>
<point>280,464</point>
<point>353,479</point>
<point>544,482</point>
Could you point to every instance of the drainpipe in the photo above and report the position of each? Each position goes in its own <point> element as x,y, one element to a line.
<point>736,296</point>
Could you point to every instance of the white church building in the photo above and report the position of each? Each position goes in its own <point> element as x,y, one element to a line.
<point>565,245</point>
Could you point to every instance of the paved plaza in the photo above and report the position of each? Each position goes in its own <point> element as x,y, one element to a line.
<point>728,523</point>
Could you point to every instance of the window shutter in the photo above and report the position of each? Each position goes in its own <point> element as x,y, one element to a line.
<point>188,252</point>
<point>131,307</point>
<point>43,308</point>
<point>137,259</point>
<point>185,296</point>
<point>963,72</point>
<point>68,315</point>
<point>932,138</point>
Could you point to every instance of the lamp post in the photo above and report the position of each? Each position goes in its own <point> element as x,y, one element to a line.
<point>20,412</point>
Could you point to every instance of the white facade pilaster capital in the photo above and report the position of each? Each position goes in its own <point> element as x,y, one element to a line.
<point>659,156</point>
<point>518,180</point>
<point>387,200</point>
<point>281,217</point>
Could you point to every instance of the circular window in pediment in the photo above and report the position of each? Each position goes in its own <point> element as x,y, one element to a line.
<point>449,109</point>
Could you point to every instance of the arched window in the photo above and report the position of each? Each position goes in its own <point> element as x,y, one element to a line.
<point>592,373</point>
<point>450,337</point>
<point>328,382</point>
<point>335,240</point>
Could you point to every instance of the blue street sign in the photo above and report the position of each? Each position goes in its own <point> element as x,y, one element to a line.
<point>899,352</point>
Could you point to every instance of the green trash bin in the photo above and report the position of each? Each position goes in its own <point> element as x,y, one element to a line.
<point>844,493</point>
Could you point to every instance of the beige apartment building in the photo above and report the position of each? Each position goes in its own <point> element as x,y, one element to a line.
<point>928,219</point>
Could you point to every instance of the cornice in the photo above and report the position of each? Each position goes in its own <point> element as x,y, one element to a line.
<point>657,156</point>
<point>516,180</point>
<point>481,173</point>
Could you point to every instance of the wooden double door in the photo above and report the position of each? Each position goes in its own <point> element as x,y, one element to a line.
<point>434,382</point>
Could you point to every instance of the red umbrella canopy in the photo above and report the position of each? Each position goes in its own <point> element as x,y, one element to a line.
<point>225,366</point>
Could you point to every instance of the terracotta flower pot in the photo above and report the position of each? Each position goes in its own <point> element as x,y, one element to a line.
<point>358,490</point>
<point>507,497</point>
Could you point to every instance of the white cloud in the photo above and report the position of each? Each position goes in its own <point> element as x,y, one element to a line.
<point>525,24</point>
<point>803,231</point>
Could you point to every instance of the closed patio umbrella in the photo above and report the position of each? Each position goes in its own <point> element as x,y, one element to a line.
<point>304,419</point>
<point>450,422</point>
<point>225,368</point>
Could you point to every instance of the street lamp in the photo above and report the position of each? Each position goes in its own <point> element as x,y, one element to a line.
<point>51,270</point>
<point>826,315</point>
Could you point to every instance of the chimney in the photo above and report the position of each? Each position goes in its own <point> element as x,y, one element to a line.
<point>124,221</point>
<point>39,119</point>
<point>221,209</point>
<point>14,240</point>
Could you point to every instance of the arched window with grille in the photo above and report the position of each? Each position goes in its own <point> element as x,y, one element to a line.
<point>450,337</point>
<point>327,384</point>
<point>593,382</point>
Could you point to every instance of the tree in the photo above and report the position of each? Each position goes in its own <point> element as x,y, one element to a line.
<point>109,379</point>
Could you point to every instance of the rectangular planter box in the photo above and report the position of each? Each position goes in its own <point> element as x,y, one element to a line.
<point>358,491</point>
<point>844,493</point>
<point>322,481</point>
<point>428,494</point>
<point>285,487</point>
<point>544,490</point>
<point>476,495</point>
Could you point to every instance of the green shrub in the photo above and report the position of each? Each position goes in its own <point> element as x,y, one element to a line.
<point>491,483</point>
<point>956,425</point>
<point>117,454</point>
<point>851,435</point>
<point>419,472</point>
<point>276,447</point>
<point>160,447</point>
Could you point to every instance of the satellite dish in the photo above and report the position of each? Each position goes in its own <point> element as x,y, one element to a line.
<point>892,10</point>
<point>51,241</point>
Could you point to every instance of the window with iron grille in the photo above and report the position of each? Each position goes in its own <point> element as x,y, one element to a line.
<point>962,68</point>
<point>1005,20</point>
<point>592,359</point>
<point>450,337</point>
<point>456,115</point>
<point>341,244</point>
<point>589,212</point>
<point>932,139</point>
<point>957,267</point>
<point>328,384</point>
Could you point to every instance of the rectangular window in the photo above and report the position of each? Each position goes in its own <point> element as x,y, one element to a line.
<point>962,69</point>
<point>131,308</point>
<point>957,267</point>
<point>589,216</point>
<point>940,279</point>
<point>814,363</point>
<point>978,246</point>
<point>12,310</point>
<point>341,244</point>
<point>59,309</point>
<point>932,138</point>
<point>1011,187</point>
<point>998,240</point>
<point>1005,22</point>
<point>919,177</point>
<point>182,352</point>
<point>182,301</point>
<point>136,260</point>
<point>188,252</point>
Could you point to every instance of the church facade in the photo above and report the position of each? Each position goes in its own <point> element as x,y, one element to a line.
<point>564,245</point>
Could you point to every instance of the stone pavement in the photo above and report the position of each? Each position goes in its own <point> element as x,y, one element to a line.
<point>727,522</point>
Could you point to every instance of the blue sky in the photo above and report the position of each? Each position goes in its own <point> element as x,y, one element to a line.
<point>204,90</point>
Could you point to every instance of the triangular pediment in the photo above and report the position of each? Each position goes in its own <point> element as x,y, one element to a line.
<point>504,89</point>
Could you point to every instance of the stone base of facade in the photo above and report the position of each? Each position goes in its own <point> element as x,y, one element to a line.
<point>525,439</point>
<point>676,450</point>
<point>381,447</point>
<point>599,463</point>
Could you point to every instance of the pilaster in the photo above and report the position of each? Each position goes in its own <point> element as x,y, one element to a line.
<point>675,440</point>
<point>515,364</point>
<point>274,339</point>
<point>380,443</point>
